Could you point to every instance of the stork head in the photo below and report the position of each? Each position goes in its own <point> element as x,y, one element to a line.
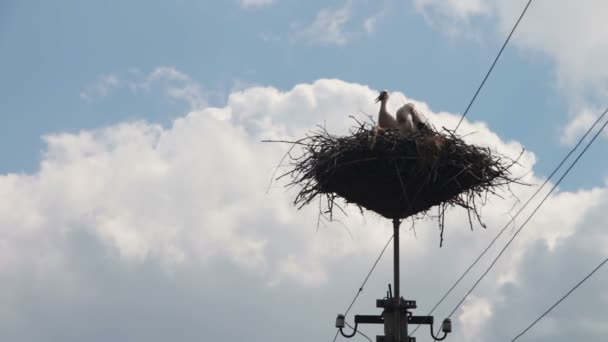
<point>383,96</point>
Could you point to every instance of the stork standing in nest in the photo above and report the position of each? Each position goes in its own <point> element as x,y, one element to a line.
<point>385,119</point>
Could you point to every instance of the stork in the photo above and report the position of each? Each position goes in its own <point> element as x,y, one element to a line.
<point>385,119</point>
<point>405,120</point>
<point>419,122</point>
<point>409,120</point>
<point>430,138</point>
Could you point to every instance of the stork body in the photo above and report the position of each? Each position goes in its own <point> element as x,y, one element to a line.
<point>385,119</point>
<point>408,113</point>
<point>419,121</point>
<point>405,120</point>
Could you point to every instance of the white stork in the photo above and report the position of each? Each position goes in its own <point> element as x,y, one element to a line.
<point>405,120</point>
<point>409,120</point>
<point>385,119</point>
<point>419,120</point>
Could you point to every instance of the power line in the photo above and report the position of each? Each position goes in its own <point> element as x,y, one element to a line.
<point>493,64</point>
<point>368,275</point>
<point>462,118</point>
<point>370,271</point>
<point>365,281</point>
<point>529,217</point>
<point>560,300</point>
<point>512,238</point>
<point>358,331</point>
<point>458,125</point>
<point>561,163</point>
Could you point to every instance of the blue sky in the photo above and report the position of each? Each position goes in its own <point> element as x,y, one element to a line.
<point>53,50</point>
<point>134,181</point>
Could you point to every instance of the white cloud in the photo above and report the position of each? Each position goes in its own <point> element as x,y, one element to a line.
<point>269,37</point>
<point>474,315</point>
<point>176,84</point>
<point>102,87</point>
<point>161,224</point>
<point>453,16</point>
<point>370,24</point>
<point>173,82</point>
<point>578,49</point>
<point>457,9</point>
<point>255,3</point>
<point>328,27</point>
<point>570,34</point>
<point>578,126</point>
<point>168,73</point>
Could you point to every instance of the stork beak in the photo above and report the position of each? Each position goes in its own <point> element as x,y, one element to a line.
<point>378,98</point>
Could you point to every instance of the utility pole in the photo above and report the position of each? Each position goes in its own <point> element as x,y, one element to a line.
<point>396,315</point>
<point>396,330</point>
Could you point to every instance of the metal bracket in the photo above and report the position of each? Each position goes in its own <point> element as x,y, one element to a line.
<point>369,319</point>
<point>385,339</point>
<point>388,304</point>
<point>420,320</point>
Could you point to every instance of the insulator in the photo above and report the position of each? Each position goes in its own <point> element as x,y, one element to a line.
<point>447,325</point>
<point>340,321</point>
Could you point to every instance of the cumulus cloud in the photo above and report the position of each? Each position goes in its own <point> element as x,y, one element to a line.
<point>339,25</point>
<point>577,49</point>
<point>453,16</point>
<point>138,232</point>
<point>173,82</point>
<point>177,85</point>
<point>458,9</point>
<point>328,27</point>
<point>102,87</point>
<point>578,126</point>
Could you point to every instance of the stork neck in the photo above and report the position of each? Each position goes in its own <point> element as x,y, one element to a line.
<point>383,106</point>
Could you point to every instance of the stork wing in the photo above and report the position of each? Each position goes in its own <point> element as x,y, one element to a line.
<point>417,116</point>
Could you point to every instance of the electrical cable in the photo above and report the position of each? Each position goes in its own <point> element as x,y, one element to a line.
<point>462,118</point>
<point>520,210</point>
<point>529,217</point>
<point>493,64</point>
<point>365,281</point>
<point>561,299</point>
<point>358,331</point>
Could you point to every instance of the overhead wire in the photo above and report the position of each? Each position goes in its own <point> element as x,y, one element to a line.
<point>458,125</point>
<point>358,331</point>
<point>370,272</point>
<point>529,217</point>
<point>365,282</point>
<point>512,238</point>
<point>560,300</point>
<point>493,64</point>
<point>520,210</point>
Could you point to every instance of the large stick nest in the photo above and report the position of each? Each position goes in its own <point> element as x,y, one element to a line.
<point>394,176</point>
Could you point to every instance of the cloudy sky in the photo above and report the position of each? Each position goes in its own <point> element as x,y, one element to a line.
<point>133,180</point>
